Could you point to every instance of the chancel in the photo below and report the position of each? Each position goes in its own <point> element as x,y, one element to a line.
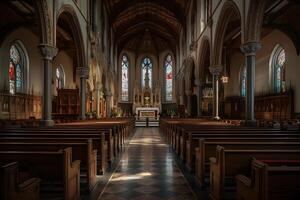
<point>151,99</point>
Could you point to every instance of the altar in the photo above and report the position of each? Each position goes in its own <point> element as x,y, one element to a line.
<point>147,112</point>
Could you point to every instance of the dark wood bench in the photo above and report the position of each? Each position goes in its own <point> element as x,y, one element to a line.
<point>207,149</point>
<point>189,135</point>
<point>188,146</point>
<point>112,145</point>
<point>275,180</point>
<point>228,163</point>
<point>13,186</point>
<point>98,144</point>
<point>82,151</point>
<point>51,166</point>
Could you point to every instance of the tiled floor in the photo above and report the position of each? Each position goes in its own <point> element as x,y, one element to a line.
<point>147,171</point>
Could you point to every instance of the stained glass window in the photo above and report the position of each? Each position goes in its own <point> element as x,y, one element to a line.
<point>169,77</point>
<point>243,79</point>
<point>279,60</point>
<point>125,78</point>
<point>59,77</point>
<point>146,72</point>
<point>16,69</point>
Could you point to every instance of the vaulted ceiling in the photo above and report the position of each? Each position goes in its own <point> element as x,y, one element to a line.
<point>17,13</point>
<point>164,19</point>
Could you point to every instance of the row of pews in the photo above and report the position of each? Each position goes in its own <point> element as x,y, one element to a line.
<point>62,162</point>
<point>235,162</point>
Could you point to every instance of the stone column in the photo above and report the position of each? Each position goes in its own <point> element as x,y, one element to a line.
<point>108,97</point>
<point>48,52</point>
<point>215,71</point>
<point>83,73</point>
<point>98,90</point>
<point>181,99</point>
<point>198,83</point>
<point>250,49</point>
<point>189,102</point>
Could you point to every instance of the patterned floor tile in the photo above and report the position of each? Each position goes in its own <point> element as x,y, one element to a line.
<point>147,189</point>
<point>147,197</point>
<point>147,171</point>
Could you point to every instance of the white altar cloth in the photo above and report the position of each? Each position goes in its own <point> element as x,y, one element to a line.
<point>147,112</point>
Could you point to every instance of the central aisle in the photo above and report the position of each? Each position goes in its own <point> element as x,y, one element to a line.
<point>147,171</point>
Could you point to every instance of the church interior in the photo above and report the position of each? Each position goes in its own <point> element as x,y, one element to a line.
<point>149,100</point>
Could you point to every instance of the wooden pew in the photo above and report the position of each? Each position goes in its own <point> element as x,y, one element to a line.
<point>82,151</point>
<point>92,133</point>
<point>229,163</point>
<point>98,145</point>
<point>188,146</point>
<point>53,166</point>
<point>15,187</point>
<point>271,181</point>
<point>105,148</point>
<point>182,138</point>
<point>207,149</point>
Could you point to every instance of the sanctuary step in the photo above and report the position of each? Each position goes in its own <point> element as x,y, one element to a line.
<point>143,123</point>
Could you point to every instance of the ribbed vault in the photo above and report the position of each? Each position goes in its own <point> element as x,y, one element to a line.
<point>163,19</point>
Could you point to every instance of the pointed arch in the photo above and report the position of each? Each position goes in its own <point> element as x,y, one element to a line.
<point>125,77</point>
<point>229,12</point>
<point>254,20</point>
<point>68,14</point>
<point>278,69</point>
<point>204,58</point>
<point>44,21</point>
<point>60,77</point>
<point>168,74</point>
<point>18,70</point>
<point>146,67</point>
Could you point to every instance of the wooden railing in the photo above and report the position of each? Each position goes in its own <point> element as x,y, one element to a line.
<point>20,106</point>
<point>267,107</point>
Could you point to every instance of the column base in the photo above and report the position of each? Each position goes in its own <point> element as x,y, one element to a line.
<point>217,118</point>
<point>251,123</point>
<point>47,123</point>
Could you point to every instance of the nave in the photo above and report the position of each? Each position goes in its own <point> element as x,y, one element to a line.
<point>147,171</point>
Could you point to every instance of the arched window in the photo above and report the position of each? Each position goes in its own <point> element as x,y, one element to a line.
<point>146,72</point>
<point>125,78</point>
<point>278,69</point>
<point>168,66</point>
<point>59,77</point>
<point>243,81</point>
<point>17,63</point>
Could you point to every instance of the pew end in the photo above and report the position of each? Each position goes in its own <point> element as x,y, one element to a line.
<point>13,188</point>
<point>253,188</point>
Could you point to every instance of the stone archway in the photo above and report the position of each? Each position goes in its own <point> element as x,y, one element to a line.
<point>204,80</point>
<point>67,19</point>
<point>190,97</point>
<point>68,16</point>
<point>229,23</point>
<point>44,21</point>
<point>229,12</point>
<point>254,21</point>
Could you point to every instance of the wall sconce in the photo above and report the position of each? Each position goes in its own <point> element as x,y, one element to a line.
<point>225,79</point>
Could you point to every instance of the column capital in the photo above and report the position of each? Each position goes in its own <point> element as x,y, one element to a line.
<point>83,72</point>
<point>250,48</point>
<point>198,82</point>
<point>48,51</point>
<point>188,92</point>
<point>216,70</point>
